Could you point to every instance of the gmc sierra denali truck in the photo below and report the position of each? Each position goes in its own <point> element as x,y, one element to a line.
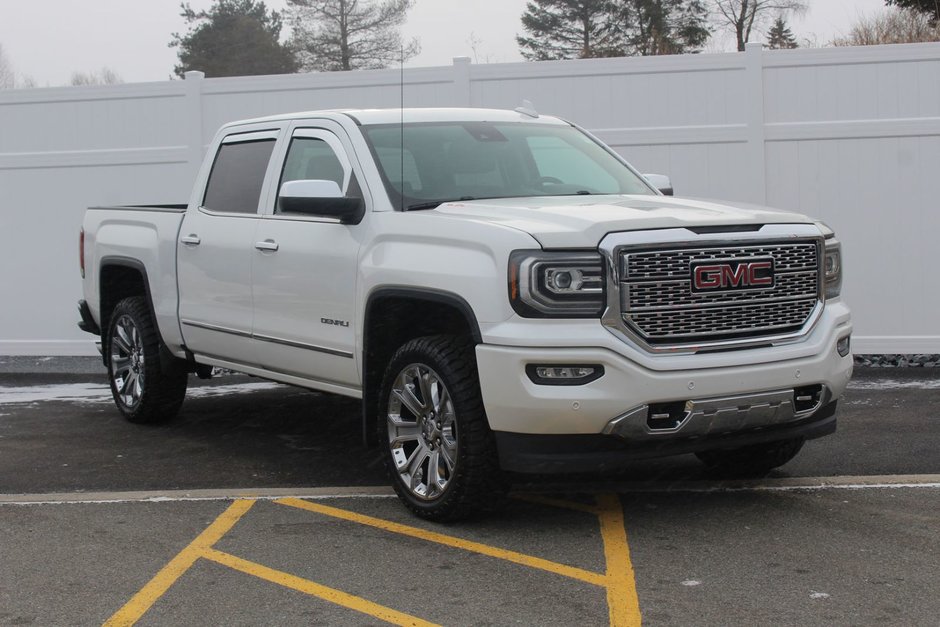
<point>502,290</point>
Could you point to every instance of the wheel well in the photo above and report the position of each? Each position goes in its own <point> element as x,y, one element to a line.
<point>117,283</point>
<point>393,319</point>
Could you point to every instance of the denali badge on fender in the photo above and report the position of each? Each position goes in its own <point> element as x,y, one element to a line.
<point>732,274</point>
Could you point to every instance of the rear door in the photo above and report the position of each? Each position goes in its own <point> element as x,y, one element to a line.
<point>305,268</point>
<point>216,247</point>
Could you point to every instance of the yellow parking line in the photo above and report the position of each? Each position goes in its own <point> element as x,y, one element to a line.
<point>314,589</point>
<point>169,574</point>
<point>622,600</point>
<point>451,541</point>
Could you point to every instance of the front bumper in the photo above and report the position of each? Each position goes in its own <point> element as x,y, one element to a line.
<point>547,454</point>
<point>751,397</point>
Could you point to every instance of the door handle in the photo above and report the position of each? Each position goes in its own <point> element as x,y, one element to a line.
<point>268,244</point>
<point>191,240</point>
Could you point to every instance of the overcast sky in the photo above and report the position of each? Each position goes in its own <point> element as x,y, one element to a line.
<point>50,39</point>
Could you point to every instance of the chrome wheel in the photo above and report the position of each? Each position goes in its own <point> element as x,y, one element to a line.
<point>422,431</point>
<point>127,362</point>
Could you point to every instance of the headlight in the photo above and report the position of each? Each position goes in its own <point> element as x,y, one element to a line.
<point>833,268</point>
<point>556,285</point>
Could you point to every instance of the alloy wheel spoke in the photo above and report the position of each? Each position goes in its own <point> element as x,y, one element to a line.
<point>129,380</point>
<point>434,475</point>
<point>436,389</point>
<point>121,345</point>
<point>405,432</point>
<point>407,396</point>
<point>416,459</point>
<point>449,454</point>
<point>424,383</point>
<point>123,336</point>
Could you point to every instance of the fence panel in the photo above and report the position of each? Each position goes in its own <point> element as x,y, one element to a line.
<point>848,135</point>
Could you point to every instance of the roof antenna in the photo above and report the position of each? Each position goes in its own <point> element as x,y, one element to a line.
<point>528,109</point>
<point>401,112</point>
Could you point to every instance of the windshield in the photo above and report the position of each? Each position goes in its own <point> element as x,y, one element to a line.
<point>440,162</point>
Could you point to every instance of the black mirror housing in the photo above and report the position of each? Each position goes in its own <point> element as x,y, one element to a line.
<point>348,210</point>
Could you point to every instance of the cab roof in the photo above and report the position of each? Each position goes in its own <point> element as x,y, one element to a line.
<point>394,116</point>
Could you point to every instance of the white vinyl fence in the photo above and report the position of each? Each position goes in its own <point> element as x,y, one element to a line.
<point>849,135</point>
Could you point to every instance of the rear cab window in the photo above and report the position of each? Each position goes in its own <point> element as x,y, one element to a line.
<point>237,174</point>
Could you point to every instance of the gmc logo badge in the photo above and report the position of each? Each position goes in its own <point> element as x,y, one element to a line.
<point>739,274</point>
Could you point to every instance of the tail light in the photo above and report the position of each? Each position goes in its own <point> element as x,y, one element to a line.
<point>81,251</point>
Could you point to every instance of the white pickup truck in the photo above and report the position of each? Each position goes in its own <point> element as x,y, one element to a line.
<point>503,292</point>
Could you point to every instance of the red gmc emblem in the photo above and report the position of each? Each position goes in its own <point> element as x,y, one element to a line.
<point>740,274</point>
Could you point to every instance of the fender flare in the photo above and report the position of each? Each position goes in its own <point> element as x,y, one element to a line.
<point>414,293</point>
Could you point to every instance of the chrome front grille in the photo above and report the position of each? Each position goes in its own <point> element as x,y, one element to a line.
<point>658,304</point>
<point>668,264</point>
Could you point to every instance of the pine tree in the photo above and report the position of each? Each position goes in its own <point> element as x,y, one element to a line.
<point>569,29</point>
<point>930,8</point>
<point>780,37</point>
<point>653,27</point>
<point>233,38</point>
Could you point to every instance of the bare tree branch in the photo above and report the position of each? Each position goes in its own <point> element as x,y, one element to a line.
<point>350,34</point>
<point>896,26</point>
<point>746,16</point>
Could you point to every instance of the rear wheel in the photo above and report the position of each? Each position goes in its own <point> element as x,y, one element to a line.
<point>436,441</point>
<point>142,390</point>
<point>754,460</point>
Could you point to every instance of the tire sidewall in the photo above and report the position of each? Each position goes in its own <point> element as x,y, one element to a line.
<point>135,308</point>
<point>409,354</point>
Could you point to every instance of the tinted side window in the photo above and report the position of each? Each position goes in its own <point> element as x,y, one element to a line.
<point>237,176</point>
<point>312,158</point>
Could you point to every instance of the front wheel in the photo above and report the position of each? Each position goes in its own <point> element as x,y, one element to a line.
<point>753,460</point>
<point>436,441</point>
<point>142,390</point>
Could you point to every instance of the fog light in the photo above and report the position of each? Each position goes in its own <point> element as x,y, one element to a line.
<point>843,346</point>
<point>564,374</point>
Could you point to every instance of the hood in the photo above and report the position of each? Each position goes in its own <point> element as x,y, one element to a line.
<point>583,221</point>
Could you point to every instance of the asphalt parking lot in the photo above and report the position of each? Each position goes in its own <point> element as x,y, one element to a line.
<point>259,506</point>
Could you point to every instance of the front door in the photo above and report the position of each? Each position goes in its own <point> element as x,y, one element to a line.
<point>304,273</point>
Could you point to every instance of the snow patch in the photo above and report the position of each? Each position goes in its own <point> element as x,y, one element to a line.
<point>235,388</point>
<point>96,393</point>
<point>691,582</point>
<point>895,384</point>
<point>818,595</point>
<point>71,392</point>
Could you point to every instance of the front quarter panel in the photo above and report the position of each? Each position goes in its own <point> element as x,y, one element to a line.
<point>434,252</point>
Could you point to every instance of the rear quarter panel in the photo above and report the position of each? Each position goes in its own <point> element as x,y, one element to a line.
<point>145,237</point>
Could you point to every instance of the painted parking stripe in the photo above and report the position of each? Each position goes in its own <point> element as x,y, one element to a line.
<point>314,589</point>
<point>169,574</point>
<point>622,601</point>
<point>451,541</point>
<point>202,548</point>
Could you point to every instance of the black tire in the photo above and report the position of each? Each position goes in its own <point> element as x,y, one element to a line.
<point>466,448</point>
<point>753,460</point>
<point>142,390</point>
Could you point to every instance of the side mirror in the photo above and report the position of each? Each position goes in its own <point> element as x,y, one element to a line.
<point>660,182</point>
<point>319,198</point>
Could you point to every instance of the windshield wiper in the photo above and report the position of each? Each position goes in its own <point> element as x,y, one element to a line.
<point>432,204</point>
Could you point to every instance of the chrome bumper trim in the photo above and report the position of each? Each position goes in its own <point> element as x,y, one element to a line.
<point>710,416</point>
